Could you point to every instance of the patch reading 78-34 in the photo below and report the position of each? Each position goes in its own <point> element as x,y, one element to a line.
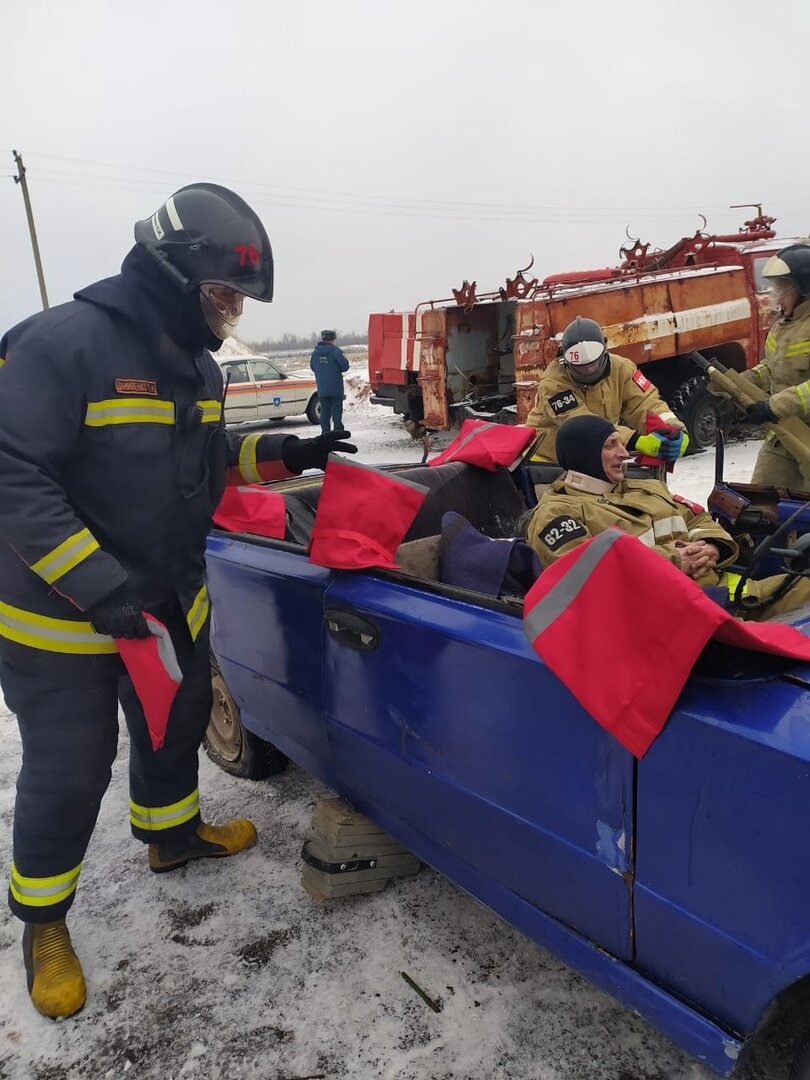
<point>560,530</point>
<point>562,402</point>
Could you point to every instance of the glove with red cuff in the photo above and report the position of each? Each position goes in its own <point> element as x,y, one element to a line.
<point>666,443</point>
<point>300,454</point>
<point>119,614</point>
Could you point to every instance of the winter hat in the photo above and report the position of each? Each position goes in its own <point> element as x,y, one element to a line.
<point>579,444</point>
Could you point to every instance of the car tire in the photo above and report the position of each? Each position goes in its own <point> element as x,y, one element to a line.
<point>230,745</point>
<point>314,410</point>
<point>702,411</point>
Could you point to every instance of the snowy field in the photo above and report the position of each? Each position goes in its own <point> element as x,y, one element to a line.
<point>230,970</point>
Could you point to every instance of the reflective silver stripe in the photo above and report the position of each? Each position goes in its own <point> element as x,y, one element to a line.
<point>701,530</point>
<point>569,586</point>
<point>174,217</point>
<point>673,526</point>
<point>128,411</point>
<point>44,891</point>
<point>647,538</point>
<point>68,554</point>
<point>53,635</point>
<point>156,818</point>
<point>212,411</point>
<point>668,416</point>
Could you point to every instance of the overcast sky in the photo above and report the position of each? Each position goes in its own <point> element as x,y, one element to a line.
<point>393,149</point>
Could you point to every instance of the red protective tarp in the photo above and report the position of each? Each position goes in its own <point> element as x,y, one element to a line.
<point>252,509</point>
<point>621,627</point>
<point>152,666</point>
<point>363,516</point>
<point>487,445</point>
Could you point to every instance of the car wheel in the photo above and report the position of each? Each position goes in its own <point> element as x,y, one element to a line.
<point>700,410</point>
<point>230,745</point>
<point>800,1068</point>
<point>314,410</point>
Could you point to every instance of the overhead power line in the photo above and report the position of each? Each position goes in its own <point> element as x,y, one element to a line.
<point>313,197</point>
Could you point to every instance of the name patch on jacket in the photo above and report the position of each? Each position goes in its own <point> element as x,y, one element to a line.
<point>642,382</point>
<point>562,402</point>
<point>560,530</point>
<point>136,386</point>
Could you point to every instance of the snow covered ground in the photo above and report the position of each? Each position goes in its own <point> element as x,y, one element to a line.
<point>230,970</point>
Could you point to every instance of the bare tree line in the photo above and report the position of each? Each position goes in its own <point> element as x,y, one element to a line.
<point>291,342</point>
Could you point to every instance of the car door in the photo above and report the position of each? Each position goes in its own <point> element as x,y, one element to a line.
<point>274,396</point>
<point>240,401</point>
<point>266,628</point>
<point>446,726</point>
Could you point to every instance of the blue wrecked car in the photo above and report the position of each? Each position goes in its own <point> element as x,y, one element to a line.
<point>680,884</point>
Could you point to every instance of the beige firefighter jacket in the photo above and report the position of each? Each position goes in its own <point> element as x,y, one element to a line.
<point>785,370</point>
<point>567,515</point>
<point>624,397</point>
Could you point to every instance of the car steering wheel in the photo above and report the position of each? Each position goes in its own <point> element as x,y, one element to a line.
<point>797,564</point>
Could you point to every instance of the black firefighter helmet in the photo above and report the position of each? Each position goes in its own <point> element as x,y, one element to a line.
<point>791,264</point>
<point>207,234</point>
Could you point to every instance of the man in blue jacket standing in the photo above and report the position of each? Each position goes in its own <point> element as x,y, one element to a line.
<point>329,363</point>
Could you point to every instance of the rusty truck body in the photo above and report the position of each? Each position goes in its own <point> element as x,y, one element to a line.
<point>481,355</point>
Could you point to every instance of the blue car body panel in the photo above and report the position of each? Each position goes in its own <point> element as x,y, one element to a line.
<point>675,883</point>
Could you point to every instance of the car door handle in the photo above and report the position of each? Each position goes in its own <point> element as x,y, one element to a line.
<point>350,629</point>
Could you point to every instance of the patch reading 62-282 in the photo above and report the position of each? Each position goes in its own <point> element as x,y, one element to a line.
<point>560,530</point>
<point>563,402</point>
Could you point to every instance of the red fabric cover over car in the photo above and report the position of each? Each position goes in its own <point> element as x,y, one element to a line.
<point>363,516</point>
<point>586,610</point>
<point>487,445</point>
<point>152,666</point>
<point>252,509</point>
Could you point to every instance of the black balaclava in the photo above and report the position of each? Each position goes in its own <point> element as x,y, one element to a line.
<point>579,444</point>
<point>167,307</point>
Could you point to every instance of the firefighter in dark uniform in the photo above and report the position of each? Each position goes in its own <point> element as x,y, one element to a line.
<point>113,457</point>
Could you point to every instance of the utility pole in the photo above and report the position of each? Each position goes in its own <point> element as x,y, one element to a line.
<point>20,179</point>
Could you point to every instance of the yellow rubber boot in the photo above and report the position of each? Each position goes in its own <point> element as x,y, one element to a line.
<point>207,842</point>
<point>55,978</point>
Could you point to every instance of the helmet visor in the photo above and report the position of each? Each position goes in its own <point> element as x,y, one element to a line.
<point>222,307</point>
<point>586,361</point>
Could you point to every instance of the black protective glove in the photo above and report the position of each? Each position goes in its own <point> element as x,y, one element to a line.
<point>119,615</point>
<point>761,413</point>
<point>299,454</point>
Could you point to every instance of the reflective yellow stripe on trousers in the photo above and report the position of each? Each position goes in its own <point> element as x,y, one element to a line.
<point>52,635</point>
<point>157,818</point>
<point>65,556</point>
<point>41,892</point>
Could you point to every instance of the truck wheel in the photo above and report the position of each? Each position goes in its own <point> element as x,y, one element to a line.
<point>314,410</point>
<point>700,410</point>
<point>230,745</point>
<point>800,1068</point>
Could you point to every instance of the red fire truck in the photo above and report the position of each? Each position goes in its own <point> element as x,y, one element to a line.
<point>481,354</point>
